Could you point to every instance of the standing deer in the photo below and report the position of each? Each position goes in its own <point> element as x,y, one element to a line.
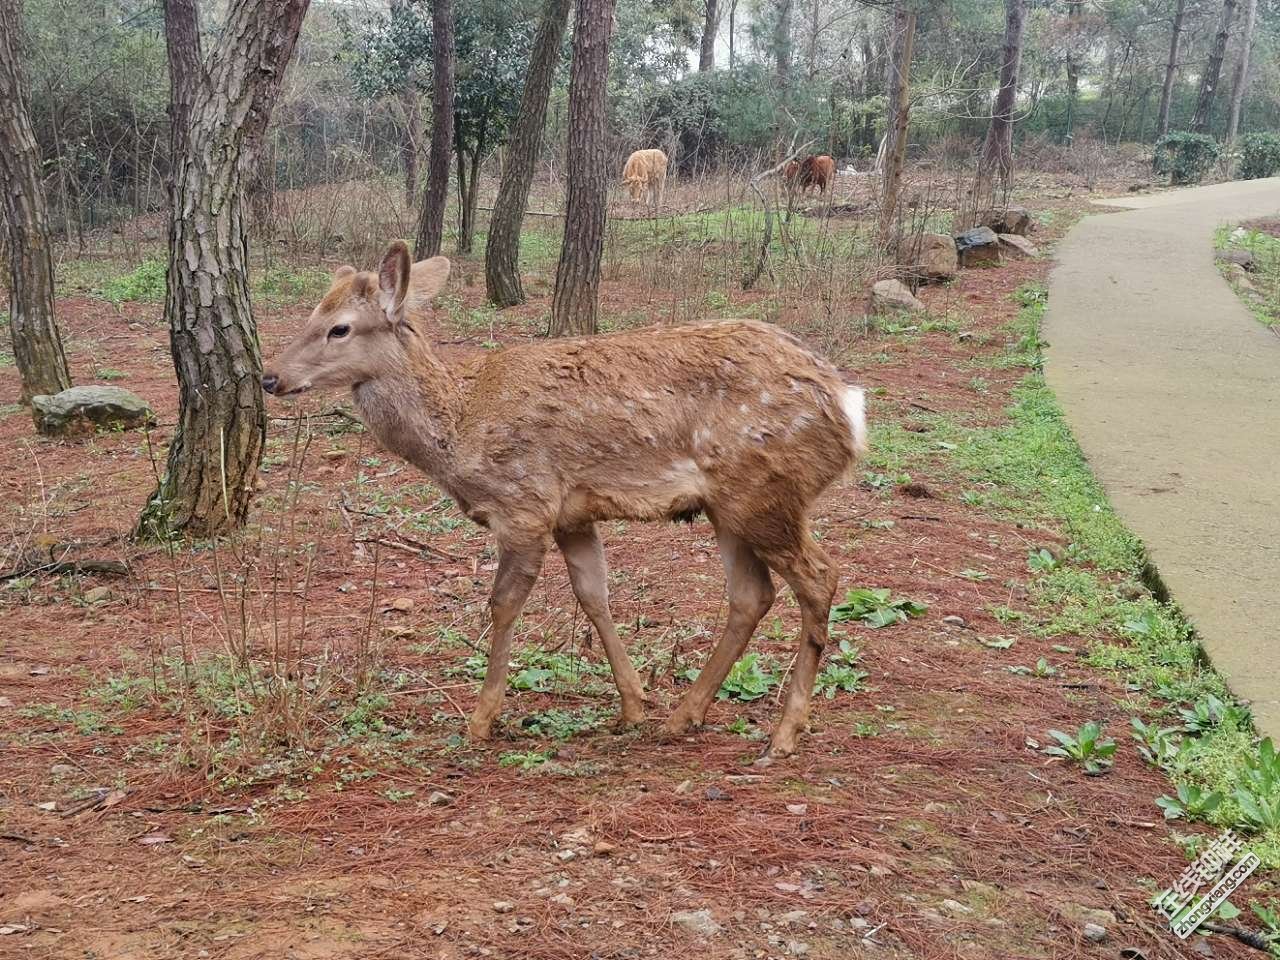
<point>539,442</point>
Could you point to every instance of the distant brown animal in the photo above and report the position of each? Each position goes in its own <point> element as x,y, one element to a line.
<point>539,442</point>
<point>813,171</point>
<point>646,174</point>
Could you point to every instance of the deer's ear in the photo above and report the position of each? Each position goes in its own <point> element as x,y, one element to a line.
<point>426,279</point>
<point>393,280</point>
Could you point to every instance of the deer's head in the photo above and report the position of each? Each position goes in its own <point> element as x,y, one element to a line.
<point>360,330</point>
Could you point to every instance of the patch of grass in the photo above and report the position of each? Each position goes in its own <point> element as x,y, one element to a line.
<point>284,285</point>
<point>539,671</point>
<point>1035,473</point>
<point>144,283</point>
<point>1259,290</point>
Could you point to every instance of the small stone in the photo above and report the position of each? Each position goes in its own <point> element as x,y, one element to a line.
<point>135,326</point>
<point>566,855</point>
<point>684,786</point>
<point>503,906</point>
<point>890,295</point>
<point>1095,933</point>
<point>5,702</point>
<point>699,922</point>
<point>955,907</point>
<point>602,848</point>
<point>715,793</point>
<point>797,948</point>
<point>1020,248</point>
<point>97,595</point>
<point>439,798</point>
<point>1243,258</point>
<point>1201,948</point>
<point>563,900</point>
<point>792,917</point>
<point>799,809</point>
<point>334,454</point>
<point>62,770</point>
<point>978,247</point>
<point>79,411</point>
<point>401,604</point>
<point>933,806</point>
<point>955,621</point>
<point>878,871</point>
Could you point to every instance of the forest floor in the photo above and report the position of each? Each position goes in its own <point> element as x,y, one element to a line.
<point>254,750</point>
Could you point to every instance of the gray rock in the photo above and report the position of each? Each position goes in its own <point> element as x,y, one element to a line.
<point>82,410</point>
<point>890,295</point>
<point>1020,248</point>
<point>503,906</point>
<point>698,922</point>
<point>977,247</point>
<point>1242,257</point>
<point>97,595</point>
<point>1012,219</point>
<point>62,770</point>
<point>1095,933</point>
<point>439,798</point>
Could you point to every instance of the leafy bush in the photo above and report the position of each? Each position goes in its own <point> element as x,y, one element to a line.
<point>1086,747</point>
<point>1185,157</point>
<point>749,679</point>
<point>1259,155</point>
<point>876,608</point>
<point>1258,792</point>
<point>144,283</point>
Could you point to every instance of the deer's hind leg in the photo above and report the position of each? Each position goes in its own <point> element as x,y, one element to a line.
<point>589,576</point>
<point>518,569</point>
<point>751,593</point>
<point>812,576</point>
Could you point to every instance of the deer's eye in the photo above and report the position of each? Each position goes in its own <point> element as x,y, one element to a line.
<point>339,331</point>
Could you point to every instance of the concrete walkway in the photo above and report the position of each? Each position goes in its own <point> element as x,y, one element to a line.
<point>1173,390</point>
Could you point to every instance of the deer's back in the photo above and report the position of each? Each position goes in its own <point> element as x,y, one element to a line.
<point>654,423</point>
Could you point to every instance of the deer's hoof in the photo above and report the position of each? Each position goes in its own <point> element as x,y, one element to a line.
<point>678,725</point>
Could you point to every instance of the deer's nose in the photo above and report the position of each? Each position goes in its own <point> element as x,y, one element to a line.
<point>269,382</point>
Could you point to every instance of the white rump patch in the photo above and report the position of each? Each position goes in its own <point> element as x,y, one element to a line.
<point>854,405</point>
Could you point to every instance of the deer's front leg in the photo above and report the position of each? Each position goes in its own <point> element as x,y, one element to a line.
<point>518,568</point>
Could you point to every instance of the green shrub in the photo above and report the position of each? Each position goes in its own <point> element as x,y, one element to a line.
<point>1185,157</point>
<point>1259,155</point>
<point>144,283</point>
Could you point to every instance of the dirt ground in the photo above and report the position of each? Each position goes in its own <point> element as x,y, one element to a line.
<point>919,820</point>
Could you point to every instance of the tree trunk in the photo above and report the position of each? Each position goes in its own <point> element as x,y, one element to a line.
<point>502,252</point>
<point>577,295</point>
<point>710,24</point>
<point>412,139</point>
<point>782,42</point>
<point>1075,14</point>
<point>37,345</point>
<point>997,151</point>
<point>733,17</point>
<point>1170,69</point>
<point>1203,116</point>
<point>468,192</point>
<point>411,117</point>
<point>1242,71</point>
<point>431,221</point>
<point>899,116</point>
<point>217,445</point>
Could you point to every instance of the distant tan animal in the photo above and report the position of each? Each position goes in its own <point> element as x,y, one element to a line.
<point>539,442</point>
<point>646,174</point>
<point>813,171</point>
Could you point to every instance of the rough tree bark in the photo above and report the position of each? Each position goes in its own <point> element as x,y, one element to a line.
<point>707,49</point>
<point>1075,20</point>
<point>1203,116</point>
<point>1170,69</point>
<point>1242,71</point>
<point>219,110</point>
<point>997,151</point>
<point>37,344</point>
<point>431,220</point>
<point>576,301</point>
<point>502,252</point>
<point>782,42</point>
<point>901,48</point>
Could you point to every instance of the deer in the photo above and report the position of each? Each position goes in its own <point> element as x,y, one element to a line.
<point>540,442</point>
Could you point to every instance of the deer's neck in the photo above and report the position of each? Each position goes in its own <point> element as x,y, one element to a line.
<point>414,410</point>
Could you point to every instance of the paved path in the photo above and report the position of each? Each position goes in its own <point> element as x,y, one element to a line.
<point>1173,390</point>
